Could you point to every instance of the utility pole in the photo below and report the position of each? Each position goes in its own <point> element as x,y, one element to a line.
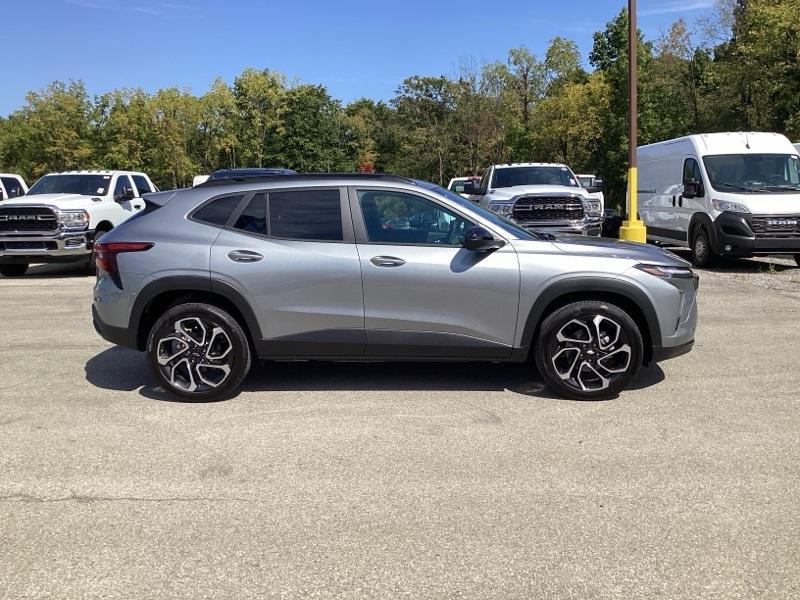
<point>632,229</point>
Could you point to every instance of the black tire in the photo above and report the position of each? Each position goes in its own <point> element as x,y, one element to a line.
<point>575,367</point>
<point>702,253</point>
<point>192,366</point>
<point>797,259</point>
<point>13,269</point>
<point>92,266</point>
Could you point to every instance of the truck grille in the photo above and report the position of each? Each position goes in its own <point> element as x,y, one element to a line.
<point>779,226</point>
<point>547,208</point>
<point>11,246</point>
<point>27,218</point>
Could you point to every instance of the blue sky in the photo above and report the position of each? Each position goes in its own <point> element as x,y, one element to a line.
<point>354,48</point>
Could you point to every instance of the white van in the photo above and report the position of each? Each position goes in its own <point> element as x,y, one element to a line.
<point>722,194</point>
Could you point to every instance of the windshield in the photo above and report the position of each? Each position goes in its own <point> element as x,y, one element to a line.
<point>505,224</point>
<point>84,185</point>
<point>512,176</point>
<point>754,173</point>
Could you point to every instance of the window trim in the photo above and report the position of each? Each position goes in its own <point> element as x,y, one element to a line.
<point>362,237</point>
<point>348,236</point>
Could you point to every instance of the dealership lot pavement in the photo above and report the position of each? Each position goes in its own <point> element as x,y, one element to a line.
<point>401,481</point>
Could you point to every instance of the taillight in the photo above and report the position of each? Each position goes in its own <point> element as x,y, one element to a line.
<point>105,256</point>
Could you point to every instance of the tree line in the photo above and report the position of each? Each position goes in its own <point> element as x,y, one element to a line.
<point>738,69</point>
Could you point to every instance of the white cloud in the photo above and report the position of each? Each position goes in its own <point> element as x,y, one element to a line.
<point>668,8</point>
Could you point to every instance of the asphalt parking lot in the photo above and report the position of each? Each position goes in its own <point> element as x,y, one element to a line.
<point>402,480</point>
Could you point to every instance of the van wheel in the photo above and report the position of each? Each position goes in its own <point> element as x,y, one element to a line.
<point>13,269</point>
<point>198,352</point>
<point>589,350</point>
<point>702,253</point>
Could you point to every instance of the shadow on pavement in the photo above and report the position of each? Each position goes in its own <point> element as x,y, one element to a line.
<point>753,264</point>
<point>54,271</point>
<point>125,370</point>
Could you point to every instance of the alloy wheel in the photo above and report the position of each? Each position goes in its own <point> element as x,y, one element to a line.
<point>196,356</point>
<point>591,353</point>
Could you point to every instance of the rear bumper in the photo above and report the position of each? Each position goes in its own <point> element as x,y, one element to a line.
<point>734,235</point>
<point>121,336</point>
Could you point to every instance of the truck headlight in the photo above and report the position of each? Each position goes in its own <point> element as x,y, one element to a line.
<point>591,207</point>
<point>73,219</point>
<point>726,205</point>
<point>500,208</point>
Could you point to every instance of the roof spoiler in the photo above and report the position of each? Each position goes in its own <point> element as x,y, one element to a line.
<point>159,198</point>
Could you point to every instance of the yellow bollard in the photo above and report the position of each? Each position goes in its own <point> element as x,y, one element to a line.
<point>633,229</point>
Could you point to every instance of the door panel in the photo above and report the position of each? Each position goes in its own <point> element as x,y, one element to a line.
<point>306,295</point>
<point>442,301</point>
<point>424,294</point>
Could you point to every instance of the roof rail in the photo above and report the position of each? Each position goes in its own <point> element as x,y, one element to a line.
<point>305,176</point>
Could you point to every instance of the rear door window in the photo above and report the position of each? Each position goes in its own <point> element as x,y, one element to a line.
<point>253,218</point>
<point>306,215</point>
<point>141,184</point>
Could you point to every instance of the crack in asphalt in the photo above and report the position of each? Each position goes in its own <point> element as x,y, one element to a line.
<point>81,498</point>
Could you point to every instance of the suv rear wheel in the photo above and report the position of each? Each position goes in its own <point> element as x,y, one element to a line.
<point>589,350</point>
<point>198,352</point>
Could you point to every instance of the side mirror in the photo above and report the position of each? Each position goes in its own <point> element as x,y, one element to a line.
<point>691,188</point>
<point>469,188</point>
<point>593,189</point>
<point>14,192</point>
<point>479,239</point>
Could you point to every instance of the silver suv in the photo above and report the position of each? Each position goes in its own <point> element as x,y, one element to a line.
<point>378,267</point>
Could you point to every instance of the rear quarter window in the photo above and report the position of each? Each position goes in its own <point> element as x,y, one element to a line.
<point>219,211</point>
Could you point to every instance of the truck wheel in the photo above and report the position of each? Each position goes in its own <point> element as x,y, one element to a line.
<point>92,266</point>
<point>198,352</point>
<point>702,253</point>
<point>589,350</point>
<point>13,270</point>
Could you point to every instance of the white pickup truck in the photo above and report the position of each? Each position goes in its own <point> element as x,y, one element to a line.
<point>62,214</point>
<point>539,196</point>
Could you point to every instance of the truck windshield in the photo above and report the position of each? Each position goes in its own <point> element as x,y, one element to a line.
<point>754,173</point>
<point>84,185</point>
<point>513,176</point>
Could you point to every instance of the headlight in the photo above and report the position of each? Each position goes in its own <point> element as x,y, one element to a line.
<point>501,208</point>
<point>665,271</point>
<point>725,205</point>
<point>74,219</point>
<point>591,207</point>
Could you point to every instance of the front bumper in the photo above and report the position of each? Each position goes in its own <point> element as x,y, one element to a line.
<point>735,234</point>
<point>51,247</point>
<point>588,227</point>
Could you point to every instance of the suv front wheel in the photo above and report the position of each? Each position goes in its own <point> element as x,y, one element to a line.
<point>589,350</point>
<point>198,352</point>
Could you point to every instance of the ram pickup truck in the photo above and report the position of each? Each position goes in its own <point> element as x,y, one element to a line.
<point>539,196</point>
<point>62,214</point>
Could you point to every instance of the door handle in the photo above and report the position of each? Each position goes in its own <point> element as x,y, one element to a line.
<point>244,256</point>
<point>387,261</point>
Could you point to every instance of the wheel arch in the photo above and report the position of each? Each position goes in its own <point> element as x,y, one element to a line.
<point>620,293</point>
<point>105,225</point>
<point>701,219</point>
<point>162,294</point>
